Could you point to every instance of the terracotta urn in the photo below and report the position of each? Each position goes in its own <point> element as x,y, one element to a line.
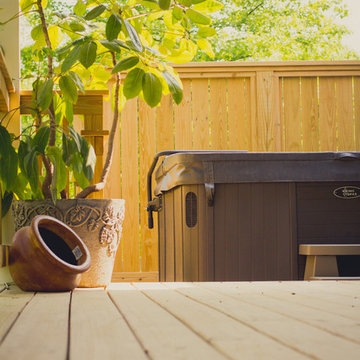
<point>47,256</point>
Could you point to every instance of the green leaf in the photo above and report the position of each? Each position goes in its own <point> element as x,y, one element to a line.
<point>197,17</point>
<point>26,5</point>
<point>66,149</point>
<point>32,169</point>
<point>76,26</point>
<point>133,35</point>
<point>205,31</point>
<point>111,45</point>
<point>37,33</point>
<point>71,59</point>
<point>174,87</point>
<point>152,89</point>
<point>133,83</point>
<point>77,163</point>
<point>186,3</point>
<point>76,138</point>
<point>208,6</point>
<point>22,151</point>
<point>41,139</point>
<point>44,94</point>
<point>205,46</point>
<point>113,27</point>
<point>69,112</point>
<point>68,88</point>
<point>177,13</point>
<point>125,64</point>
<point>95,12</point>
<point>6,201</point>
<point>8,160</point>
<point>151,4</point>
<point>164,4</point>
<point>197,1</point>
<point>79,8</point>
<point>89,157</point>
<point>77,80</point>
<point>88,54</point>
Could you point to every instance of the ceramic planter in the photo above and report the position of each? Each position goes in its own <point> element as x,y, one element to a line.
<point>47,256</point>
<point>98,222</point>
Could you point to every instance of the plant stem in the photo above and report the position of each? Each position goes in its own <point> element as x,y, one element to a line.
<point>110,151</point>
<point>48,165</point>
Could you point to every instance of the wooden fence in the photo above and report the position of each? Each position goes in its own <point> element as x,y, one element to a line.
<point>280,106</point>
<point>277,106</point>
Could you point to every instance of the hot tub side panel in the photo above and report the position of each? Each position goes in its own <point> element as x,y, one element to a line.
<point>249,233</point>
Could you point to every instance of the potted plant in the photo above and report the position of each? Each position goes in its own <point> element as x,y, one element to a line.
<point>131,41</point>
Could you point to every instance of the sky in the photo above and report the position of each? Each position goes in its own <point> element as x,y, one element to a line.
<point>352,22</point>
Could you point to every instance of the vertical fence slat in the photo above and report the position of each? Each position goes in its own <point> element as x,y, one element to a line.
<point>200,114</point>
<point>218,114</point>
<point>165,125</point>
<point>310,114</point>
<point>292,119</point>
<point>238,119</point>
<point>327,114</point>
<point>345,123</point>
<point>147,150</point>
<point>183,123</point>
<point>264,136</point>
<point>130,190</point>
<point>113,187</point>
<point>357,111</point>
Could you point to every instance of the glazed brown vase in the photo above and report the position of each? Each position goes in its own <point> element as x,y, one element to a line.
<point>47,256</point>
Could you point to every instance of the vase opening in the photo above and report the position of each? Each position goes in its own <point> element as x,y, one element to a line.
<point>61,242</point>
<point>58,246</point>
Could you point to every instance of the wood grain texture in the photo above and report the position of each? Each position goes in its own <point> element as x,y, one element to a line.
<point>12,303</point>
<point>130,244</point>
<point>292,115</point>
<point>228,335</point>
<point>357,111</point>
<point>147,151</point>
<point>238,115</point>
<point>327,114</point>
<point>162,335</point>
<point>345,116</point>
<point>218,114</point>
<point>165,124</point>
<point>98,330</point>
<point>183,121</point>
<point>310,114</point>
<point>42,328</point>
<point>200,114</point>
<point>264,137</point>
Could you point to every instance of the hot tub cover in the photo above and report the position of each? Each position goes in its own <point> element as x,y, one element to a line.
<point>217,167</point>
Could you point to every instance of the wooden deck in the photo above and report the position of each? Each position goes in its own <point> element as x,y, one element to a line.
<point>259,320</point>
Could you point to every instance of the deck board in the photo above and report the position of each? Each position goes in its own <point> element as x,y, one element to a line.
<point>41,330</point>
<point>232,320</point>
<point>94,316</point>
<point>163,336</point>
<point>228,335</point>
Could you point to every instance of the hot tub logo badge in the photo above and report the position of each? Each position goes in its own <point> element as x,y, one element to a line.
<point>347,192</point>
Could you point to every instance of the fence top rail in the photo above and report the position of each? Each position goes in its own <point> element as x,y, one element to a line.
<point>276,66</point>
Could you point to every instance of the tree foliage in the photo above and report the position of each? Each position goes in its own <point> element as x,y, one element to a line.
<point>279,30</point>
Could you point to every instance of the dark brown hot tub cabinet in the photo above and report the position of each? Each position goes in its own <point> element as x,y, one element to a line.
<point>226,215</point>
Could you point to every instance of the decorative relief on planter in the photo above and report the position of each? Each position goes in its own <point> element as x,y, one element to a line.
<point>23,215</point>
<point>106,220</point>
